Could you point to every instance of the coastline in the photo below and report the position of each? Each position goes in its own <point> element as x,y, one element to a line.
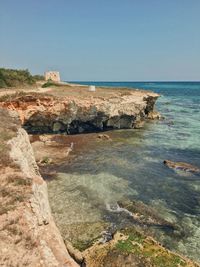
<point>38,107</point>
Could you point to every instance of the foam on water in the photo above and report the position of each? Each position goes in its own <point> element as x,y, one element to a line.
<point>116,208</point>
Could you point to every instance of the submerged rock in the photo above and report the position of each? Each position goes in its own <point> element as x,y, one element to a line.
<point>104,137</point>
<point>145,215</point>
<point>181,166</point>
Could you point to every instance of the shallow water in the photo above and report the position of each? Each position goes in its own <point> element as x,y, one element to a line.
<point>131,167</point>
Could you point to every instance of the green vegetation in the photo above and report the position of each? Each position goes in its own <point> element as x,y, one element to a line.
<point>125,246</point>
<point>14,78</point>
<point>50,83</point>
<point>38,77</point>
<point>132,243</point>
<point>82,245</point>
<point>147,249</point>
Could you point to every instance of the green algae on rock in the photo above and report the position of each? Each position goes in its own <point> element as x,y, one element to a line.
<point>131,248</point>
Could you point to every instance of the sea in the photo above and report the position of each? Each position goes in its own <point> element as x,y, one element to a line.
<point>89,187</point>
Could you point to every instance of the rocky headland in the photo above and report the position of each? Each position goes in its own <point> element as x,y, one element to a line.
<point>62,111</point>
<point>28,234</point>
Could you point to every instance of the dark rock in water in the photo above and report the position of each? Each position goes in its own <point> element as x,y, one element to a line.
<point>181,166</point>
<point>170,123</point>
<point>167,103</point>
<point>146,216</point>
<point>139,125</point>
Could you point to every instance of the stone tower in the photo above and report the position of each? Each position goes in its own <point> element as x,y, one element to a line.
<point>52,75</point>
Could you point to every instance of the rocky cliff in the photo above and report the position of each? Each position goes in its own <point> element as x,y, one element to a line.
<point>89,113</point>
<point>28,234</point>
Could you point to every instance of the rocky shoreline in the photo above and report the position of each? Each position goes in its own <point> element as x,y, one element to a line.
<point>29,220</point>
<point>85,112</point>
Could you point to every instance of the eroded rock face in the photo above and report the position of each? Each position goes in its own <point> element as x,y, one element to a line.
<point>91,114</point>
<point>28,234</point>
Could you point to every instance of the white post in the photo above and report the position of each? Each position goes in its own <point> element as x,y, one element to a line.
<point>92,88</point>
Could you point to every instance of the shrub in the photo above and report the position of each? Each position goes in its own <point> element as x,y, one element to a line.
<point>38,77</point>
<point>13,78</point>
<point>50,83</point>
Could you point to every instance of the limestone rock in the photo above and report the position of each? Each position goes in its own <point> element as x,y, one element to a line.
<point>35,240</point>
<point>77,115</point>
<point>75,253</point>
<point>153,115</point>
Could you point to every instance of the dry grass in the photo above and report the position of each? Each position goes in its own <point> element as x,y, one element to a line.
<point>14,190</point>
<point>20,95</point>
<point>8,129</point>
<point>14,187</point>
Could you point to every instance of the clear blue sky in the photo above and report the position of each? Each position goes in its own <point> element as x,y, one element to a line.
<point>110,40</point>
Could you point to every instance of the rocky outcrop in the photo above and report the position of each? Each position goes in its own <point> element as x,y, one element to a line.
<point>47,114</point>
<point>132,248</point>
<point>182,166</point>
<point>29,236</point>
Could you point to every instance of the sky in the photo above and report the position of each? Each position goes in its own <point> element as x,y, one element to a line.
<point>102,40</point>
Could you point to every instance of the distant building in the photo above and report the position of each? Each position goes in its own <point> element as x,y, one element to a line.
<point>52,75</point>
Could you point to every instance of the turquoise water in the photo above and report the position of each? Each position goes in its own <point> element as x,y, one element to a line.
<point>131,166</point>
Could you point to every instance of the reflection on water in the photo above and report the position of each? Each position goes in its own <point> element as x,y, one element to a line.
<point>131,167</point>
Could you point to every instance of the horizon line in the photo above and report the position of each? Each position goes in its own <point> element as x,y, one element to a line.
<point>150,81</point>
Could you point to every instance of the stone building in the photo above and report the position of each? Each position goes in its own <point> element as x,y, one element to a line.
<point>52,75</point>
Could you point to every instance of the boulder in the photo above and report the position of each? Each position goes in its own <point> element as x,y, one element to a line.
<point>154,115</point>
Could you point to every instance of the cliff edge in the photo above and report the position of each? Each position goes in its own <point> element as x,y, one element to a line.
<point>28,234</point>
<point>78,110</point>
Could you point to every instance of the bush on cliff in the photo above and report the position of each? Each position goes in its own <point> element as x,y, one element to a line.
<point>50,83</point>
<point>14,78</point>
<point>38,77</point>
